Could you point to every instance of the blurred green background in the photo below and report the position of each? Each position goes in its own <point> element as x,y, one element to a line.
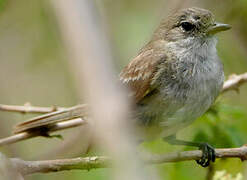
<point>34,68</point>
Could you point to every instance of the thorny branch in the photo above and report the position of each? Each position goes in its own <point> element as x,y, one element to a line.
<point>87,163</point>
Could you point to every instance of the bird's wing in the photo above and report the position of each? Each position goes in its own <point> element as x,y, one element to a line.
<point>52,118</point>
<point>140,74</point>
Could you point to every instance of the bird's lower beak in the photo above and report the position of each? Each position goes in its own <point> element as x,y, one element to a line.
<point>218,27</point>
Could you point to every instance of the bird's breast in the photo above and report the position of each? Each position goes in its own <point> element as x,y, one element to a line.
<point>188,87</point>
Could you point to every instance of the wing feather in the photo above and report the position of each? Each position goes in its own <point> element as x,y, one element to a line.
<point>139,74</point>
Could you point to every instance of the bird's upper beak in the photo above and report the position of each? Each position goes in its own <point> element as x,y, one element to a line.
<point>218,27</point>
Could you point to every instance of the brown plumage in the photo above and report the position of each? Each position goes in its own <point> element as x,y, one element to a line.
<point>142,74</point>
<point>139,74</point>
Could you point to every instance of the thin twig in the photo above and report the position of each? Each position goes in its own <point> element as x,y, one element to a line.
<point>28,108</point>
<point>27,135</point>
<point>91,63</point>
<point>8,170</point>
<point>87,163</point>
<point>234,82</point>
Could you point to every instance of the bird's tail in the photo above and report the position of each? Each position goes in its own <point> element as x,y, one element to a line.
<point>49,119</point>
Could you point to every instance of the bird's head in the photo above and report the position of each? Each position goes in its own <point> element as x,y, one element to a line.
<point>189,23</point>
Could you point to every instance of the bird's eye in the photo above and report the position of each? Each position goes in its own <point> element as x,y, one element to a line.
<point>187,26</point>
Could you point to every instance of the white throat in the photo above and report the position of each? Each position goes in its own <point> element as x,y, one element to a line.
<point>205,47</point>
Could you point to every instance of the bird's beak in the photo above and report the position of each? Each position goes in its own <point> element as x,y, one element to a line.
<point>218,27</point>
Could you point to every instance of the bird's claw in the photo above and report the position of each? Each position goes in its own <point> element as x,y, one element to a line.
<point>208,154</point>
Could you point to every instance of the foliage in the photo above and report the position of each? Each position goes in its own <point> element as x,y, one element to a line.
<point>223,175</point>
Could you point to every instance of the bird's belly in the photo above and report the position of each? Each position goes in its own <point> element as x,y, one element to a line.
<point>180,101</point>
<point>166,113</point>
<point>185,115</point>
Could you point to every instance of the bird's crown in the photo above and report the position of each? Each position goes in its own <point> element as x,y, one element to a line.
<point>190,22</point>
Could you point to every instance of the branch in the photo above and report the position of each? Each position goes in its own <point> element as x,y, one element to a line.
<point>87,163</point>
<point>8,170</point>
<point>46,166</point>
<point>109,109</point>
<point>28,108</point>
<point>234,82</point>
<point>27,135</point>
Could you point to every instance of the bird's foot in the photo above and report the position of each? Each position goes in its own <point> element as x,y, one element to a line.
<point>208,155</point>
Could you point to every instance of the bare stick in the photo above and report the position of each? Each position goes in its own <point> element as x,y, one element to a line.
<point>91,63</point>
<point>15,138</point>
<point>8,170</point>
<point>87,163</point>
<point>28,108</point>
<point>234,82</point>
<point>27,135</point>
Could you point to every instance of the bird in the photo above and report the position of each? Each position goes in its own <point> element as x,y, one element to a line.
<point>173,80</point>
